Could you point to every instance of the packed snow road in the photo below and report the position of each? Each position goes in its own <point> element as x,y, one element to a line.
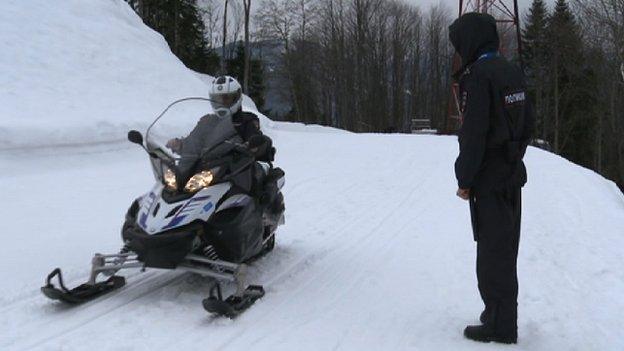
<point>376,254</point>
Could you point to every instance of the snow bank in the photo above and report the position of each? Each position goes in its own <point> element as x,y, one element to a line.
<point>81,72</point>
<point>84,72</point>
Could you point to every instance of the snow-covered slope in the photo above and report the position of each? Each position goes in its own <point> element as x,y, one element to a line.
<point>376,253</point>
<point>83,72</point>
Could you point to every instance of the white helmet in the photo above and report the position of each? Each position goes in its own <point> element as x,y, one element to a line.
<point>226,96</point>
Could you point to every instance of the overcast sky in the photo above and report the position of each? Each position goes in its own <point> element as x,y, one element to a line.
<point>524,4</point>
<point>454,4</point>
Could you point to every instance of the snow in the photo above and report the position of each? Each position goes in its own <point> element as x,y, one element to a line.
<point>82,72</point>
<point>376,253</point>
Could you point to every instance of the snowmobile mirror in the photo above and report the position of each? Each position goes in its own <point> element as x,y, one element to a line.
<point>135,137</point>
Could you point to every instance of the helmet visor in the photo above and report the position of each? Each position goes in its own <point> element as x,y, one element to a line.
<point>226,100</point>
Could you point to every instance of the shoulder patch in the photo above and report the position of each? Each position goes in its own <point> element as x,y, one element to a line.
<point>514,98</point>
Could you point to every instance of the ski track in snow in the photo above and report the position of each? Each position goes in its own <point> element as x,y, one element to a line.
<point>90,312</point>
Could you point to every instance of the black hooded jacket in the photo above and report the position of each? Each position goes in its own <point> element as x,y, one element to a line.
<point>247,124</point>
<point>497,117</point>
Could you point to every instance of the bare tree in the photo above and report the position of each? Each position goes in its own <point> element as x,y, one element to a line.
<point>247,10</point>
<point>356,64</point>
<point>224,42</point>
<point>305,14</point>
<point>210,14</point>
<point>237,20</point>
<point>275,21</point>
<point>437,56</point>
<point>603,25</point>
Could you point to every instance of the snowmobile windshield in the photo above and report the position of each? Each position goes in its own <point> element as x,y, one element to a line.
<point>188,130</point>
<point>187,126</point>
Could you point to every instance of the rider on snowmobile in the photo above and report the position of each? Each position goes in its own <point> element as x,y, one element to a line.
<point>226,99</point>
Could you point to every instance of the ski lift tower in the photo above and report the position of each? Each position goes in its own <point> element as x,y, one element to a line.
<point>507,17</point>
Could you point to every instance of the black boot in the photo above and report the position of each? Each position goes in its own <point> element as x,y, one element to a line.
<point>484,316</point>
<point>484,333</point>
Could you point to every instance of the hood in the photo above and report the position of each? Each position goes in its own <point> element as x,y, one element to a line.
<point>473,35</point>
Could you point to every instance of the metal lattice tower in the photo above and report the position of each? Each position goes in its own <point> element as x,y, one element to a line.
<point>507,16</point>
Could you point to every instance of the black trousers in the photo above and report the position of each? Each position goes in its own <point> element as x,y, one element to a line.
<point>496,225</point>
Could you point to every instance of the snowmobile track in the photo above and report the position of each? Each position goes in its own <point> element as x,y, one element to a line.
<point>317,258</point>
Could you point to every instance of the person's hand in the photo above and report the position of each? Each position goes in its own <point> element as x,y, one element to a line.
<point>463,193</point>
<point>174,144</point>
<point>256,143</point>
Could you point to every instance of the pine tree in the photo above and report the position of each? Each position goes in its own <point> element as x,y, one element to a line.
<point>181,24</point>
<point>572,86</point>
<point>535,56</point>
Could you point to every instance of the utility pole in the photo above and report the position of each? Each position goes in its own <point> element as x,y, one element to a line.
<point>507,17</point>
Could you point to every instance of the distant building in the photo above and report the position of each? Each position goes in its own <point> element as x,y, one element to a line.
<point>422,126</point>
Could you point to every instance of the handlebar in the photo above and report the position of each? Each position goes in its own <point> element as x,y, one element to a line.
<point>242,148</point>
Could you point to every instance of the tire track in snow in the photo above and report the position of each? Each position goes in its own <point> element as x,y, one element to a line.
<point>87,313</point>
<point>332,246</point>
<point>299,266</point>
<point>351,251</point>
<point>36,295</point>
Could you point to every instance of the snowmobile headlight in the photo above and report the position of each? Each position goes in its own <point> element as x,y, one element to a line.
<point>170,180</point>
<point>198,181</point>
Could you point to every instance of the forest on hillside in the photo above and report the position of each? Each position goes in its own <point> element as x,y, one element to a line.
<point>376,65</point>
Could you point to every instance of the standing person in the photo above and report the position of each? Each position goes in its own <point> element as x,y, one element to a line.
<point>497,126</point>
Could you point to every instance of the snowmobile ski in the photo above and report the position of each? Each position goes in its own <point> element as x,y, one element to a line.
<point>82,293</point>
<point>233,305</point>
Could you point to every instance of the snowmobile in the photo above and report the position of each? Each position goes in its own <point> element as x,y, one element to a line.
<point>214,209</point>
